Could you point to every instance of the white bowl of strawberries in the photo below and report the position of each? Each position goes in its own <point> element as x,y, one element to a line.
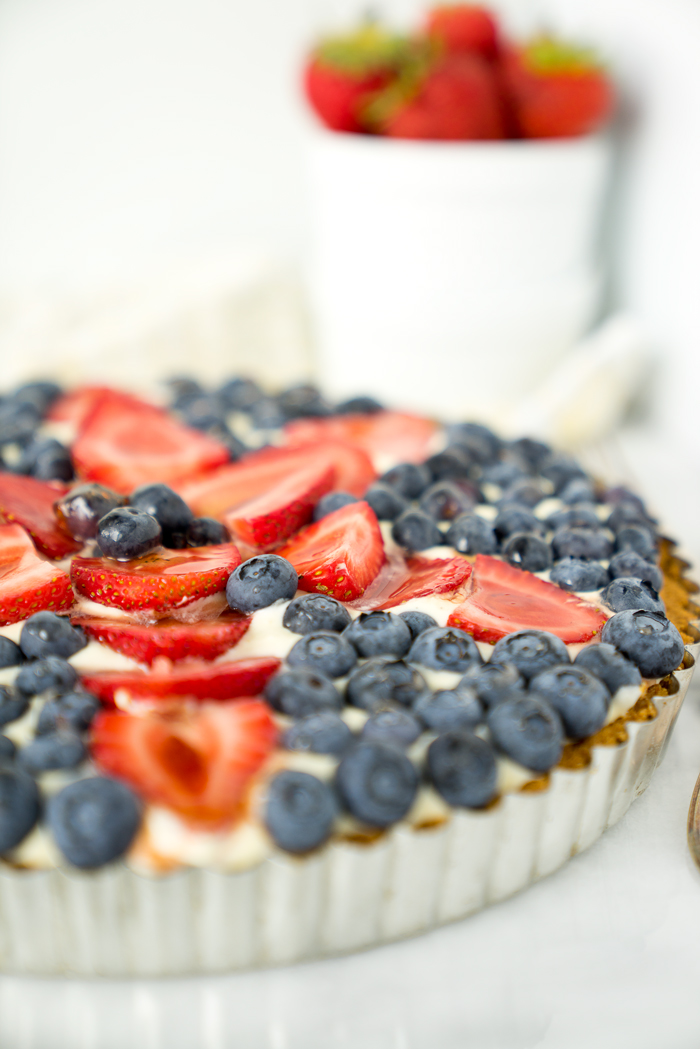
<point>457,188</point>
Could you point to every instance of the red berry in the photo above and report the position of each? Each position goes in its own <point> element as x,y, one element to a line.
<point>463,28</point>
<point>28,583</point>
<point>398,435</point>
<point>170,639</point>
<point>267,519</point>
<point>31,504</point>
<point>202,681</point>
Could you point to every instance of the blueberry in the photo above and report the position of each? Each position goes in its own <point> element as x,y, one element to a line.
<point>585,544</point>
<point>239,395</point>
<point>18,421</point>
<point>72,710</point>
<point>638,538</point>
<point>300,811</point>
<point>266,414</point>
<point>463,769</point>
<point>7,750</point>
<point>445,500</point>
<point>93,821</point>
<point>609,666</point>
<point>527,551</point>
<point>471,534</point>
<point>383,682</point>
<point>47,460</point>
<point>627,513</point>
<point>56,750</point>
<point>80,509</point>
<point>629,563</point>
<point>303,400</point>
<point>618,495</point>
<point>235,447</point>
<point>13,704</point>
<point>580,699</point>
<point>328,504</point>
<point>19,806</point>
<point>49,673</point>
<point>581,516</point>
<point>482,445</point>
<point>324,652</point>
<point>205,531</point>
<point>417,622</point>
<point>170,511</point>
<point>625,592</point>
<point>502,473</point>
<point>416,530</point>
<point>525,491</point>
<point>260,582</point>
<point>493,682</point>
<point>532,452</point>
<point>126,533</point>
<point>560,470</point>
<point>450,708</point>
<point>395,727</point>
<point>379,634</point>
<point>445,648</point>
<point>183,389</point>
<point>313,612</point>
<point>530,651</point>
<point>39,395</point>
<point>206,412</point>
<point>647,638</point>
<point>298,693</point>
<point>377,783</point>
<point>528,730</point>
<point>454,462</point>
<point>322,733</point>
<point>359,406</point>
<point>573,574</point>
<point>46,634</point>
<point>10,653</point>
<point>512,518</point>
<point>578,490</point>
<point>385,501</point>
<point>409,479</point>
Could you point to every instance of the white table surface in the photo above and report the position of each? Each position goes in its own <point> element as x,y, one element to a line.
<point>604,953</point>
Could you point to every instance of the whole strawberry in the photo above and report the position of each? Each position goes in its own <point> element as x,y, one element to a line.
<point>343,71</point>
<point>556,90</point>
<point>464,28</point>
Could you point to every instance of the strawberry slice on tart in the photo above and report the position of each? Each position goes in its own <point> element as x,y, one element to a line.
<point>339,555</point>
<point>158,582</point>
<point>206,640</point>
<point>202,681</point>
<point>30,503</point>
<point>272,517</point>
<point>28,583</point>
<point>504,599</point>
<point>421,577</point>
<point>198,760</point>
<point>397,435</point>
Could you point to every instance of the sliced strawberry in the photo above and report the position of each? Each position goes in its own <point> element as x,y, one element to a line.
<point>198,761</point>
<point>340,555</point>
<point>282,510</point>
<point>124,443</point>
<point>30,503</point>
<point>243,677</point>
<point>504,599</point>
<point>206,639</point>
<point>28,584</point>
<point>75,407</point>
<point>158,582</point>
<point>396,435</point>
<point>420,577</point>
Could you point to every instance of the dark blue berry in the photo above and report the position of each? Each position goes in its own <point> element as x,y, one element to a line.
<point>455,462</point>
<point>384,682</point>
<point>235,447</point>
<point>445,648</point>
<point>582,516</point>
<point>300,811</point>
<point>18,421</point>
<point>625,592</point>
<point>93,821</point>
<point>528,730</point>
<point>49,673</point>
<point>525,491</point>
<point>377,783</point>
<point>573,574</point>
<point>650,640</point>
<point>312,612</point>
<point>560,470</point>
<point>463,769</point>
<point>530,651</point>
<point>266,414</point>
<point>81,509</point>
<point>56,750</point>
<point>629,563</point>
<point>450,708</point>
<point>7,750</point>
<point>480,443</point>
<point>396,727</point>
<point>445,500</point>
<point>417,622</point>
<point>328,504</point>
<point>183,389</point>
<point>532,452</point>
<point>609,666</point>
<point>47,460</point>
<point>46,634</point>
<point>379,634</point>
<point>577,490</point>
<point>580,699</point>
<point>409,479</point>
<point>471,534</point>
<point>385,501</point>
<point>239,395</point>
<point>527,551</point>
<point>359,406</point>
<point>638,538</point>
<point>260,582</point>
<point>19,806</point>
<point>324,652</point>
<point>205,531</point>
<point>206,412</point>
<point>39,395</point>
<point>585,544</point>
<point>321,733</point>
<point>72,710</point>
<point>13,704</point>
<point>502,473</point>
<point>303,400</point>
<point>10,653</point>
<point>416,530</point>
<point>627,513</point>
<point>299,693</point>
<point>512,518</point>
<point>169,509</point>
<point>126,533</point>
<point>493,682</point>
